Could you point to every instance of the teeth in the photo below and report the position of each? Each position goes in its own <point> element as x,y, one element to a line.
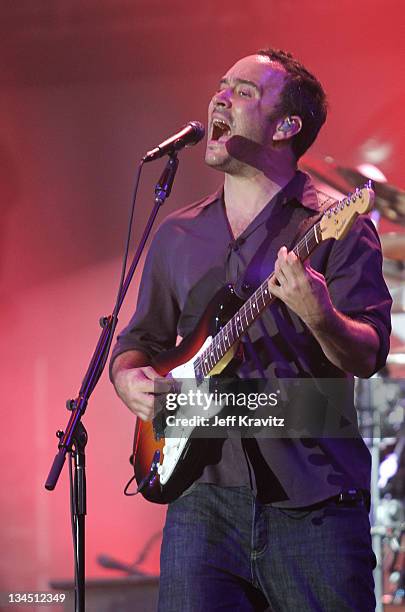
<point>219,128</point>
<point>220,122</point>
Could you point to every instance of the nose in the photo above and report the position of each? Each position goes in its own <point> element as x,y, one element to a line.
<point>222,98</point>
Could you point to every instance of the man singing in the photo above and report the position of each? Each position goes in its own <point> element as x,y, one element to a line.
<point>280,523</point>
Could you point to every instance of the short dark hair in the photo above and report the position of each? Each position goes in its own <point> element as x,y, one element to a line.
<point>302,95</point>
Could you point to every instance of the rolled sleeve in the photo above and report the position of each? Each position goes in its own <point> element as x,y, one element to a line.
<point>356,283</point>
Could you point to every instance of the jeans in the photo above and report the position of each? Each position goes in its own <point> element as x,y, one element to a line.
<point>224,550</point>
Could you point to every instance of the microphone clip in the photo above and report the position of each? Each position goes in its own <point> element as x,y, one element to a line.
<point>165,183</point>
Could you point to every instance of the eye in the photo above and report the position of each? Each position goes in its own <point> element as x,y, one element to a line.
<point>244,92</point>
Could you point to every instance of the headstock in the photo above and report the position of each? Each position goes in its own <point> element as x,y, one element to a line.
<point>337,221</point>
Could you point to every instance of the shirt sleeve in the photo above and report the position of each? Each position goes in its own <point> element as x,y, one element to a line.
<point>356,283</point>
<point>153,327</point>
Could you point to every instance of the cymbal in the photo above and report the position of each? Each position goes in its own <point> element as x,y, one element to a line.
<point>397,309</point>
<point>396,356</point>
<point>389,200</point>
<point>325,171</point>
<point>393,245</point>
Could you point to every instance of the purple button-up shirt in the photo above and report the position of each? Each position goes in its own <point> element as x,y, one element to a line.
<point>193,254</point>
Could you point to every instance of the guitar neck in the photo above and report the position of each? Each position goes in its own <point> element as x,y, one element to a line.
<point>251,309</point>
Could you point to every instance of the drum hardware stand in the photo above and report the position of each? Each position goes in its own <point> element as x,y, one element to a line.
<point>371,431</point>
<point>397,575</point>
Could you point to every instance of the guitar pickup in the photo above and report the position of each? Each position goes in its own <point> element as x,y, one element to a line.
<point>158,424</point>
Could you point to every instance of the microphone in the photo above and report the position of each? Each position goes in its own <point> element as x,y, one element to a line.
<point>189,135</point>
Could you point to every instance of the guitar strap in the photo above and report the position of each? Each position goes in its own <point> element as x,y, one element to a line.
<point>250,281</point>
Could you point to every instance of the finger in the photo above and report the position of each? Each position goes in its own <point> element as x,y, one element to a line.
<point>282,252</point>
<point>161,384</point>
<point>143,405</point>
<point>140,411</point>
<point>140,384</point>
<point>293,265</point>
<point>150,372</point>
<point>279,266</point>
<point>297,274</point>
<point>147,380</point>
<point>275,287</point>
<point>144,415</point>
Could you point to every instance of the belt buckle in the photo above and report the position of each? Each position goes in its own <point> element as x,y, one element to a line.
<point>351,495</point>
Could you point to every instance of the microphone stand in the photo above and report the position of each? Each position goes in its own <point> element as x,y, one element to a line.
<point>73,440</point>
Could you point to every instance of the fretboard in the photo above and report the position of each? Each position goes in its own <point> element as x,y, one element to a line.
<point>250,311</point>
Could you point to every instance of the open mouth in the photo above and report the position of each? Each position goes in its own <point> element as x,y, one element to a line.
<point>220,129</point>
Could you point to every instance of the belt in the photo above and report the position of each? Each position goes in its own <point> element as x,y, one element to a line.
<point>351,497</point>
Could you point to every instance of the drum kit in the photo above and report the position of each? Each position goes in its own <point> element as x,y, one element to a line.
<point>381,400</point>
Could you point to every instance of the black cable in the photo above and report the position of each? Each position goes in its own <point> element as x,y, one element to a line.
<point>100,367</point>
<point>98,370</point>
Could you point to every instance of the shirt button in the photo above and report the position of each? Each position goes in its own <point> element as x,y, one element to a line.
<point>235,244</point>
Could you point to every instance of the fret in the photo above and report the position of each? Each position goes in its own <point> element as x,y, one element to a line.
<point>252,308</point>
<point>232,335</point>
<point>246,314</point>
<point>254,303</point>
<point>217,340</point>
<point>316,233</point>
<point>240,321</point>
<point>237,320</point>
<point>221,346</point>
<point>229,334</point>
<point>242,324</point>
<point>206,363</point>
<point>215,350</point>
<point>250,312</point>
<point>211,361</point>
<point>214,353</point>
<point>223,337</point>
<point>216,347</point>
<point>220,350</point>
<point>261,291</point>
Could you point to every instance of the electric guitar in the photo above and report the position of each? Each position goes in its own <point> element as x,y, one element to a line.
<point>165,466</point>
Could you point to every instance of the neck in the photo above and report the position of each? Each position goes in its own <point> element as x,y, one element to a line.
<point>251,192</point>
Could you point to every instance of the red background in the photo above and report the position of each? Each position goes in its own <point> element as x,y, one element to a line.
<point>86,88</point>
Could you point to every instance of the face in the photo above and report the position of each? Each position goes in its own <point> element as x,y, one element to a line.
<point>244,106</point>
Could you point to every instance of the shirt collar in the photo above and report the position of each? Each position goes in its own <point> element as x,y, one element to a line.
<point>300,188</point>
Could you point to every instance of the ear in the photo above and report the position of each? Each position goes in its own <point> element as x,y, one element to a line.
<point>287,128</point>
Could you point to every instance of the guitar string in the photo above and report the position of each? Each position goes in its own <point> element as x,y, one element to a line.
<point>208,356</point>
